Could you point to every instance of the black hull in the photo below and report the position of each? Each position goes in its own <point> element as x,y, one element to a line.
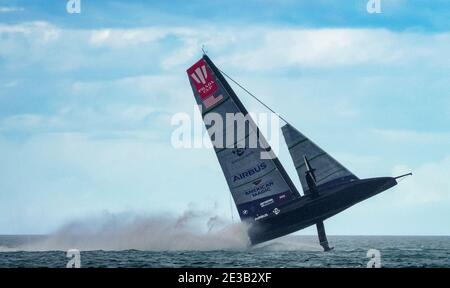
<point>307,211</point>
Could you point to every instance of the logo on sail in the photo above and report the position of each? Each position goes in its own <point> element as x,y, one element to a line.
<point>241,155</point>
<point>204,83</point>
<point>239,151</point>
<point>259,187</point>
<point>261,217</point>
<point>200,75</point>
<point>266,203</point>
<point>250,172</point>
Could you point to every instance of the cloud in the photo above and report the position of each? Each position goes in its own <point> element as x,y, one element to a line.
<point>251,48</point>
<point>10,84</point>
<point>430,183</point>
<point>283,48</point>
<point>122,38</point>
<point>10,9</point>
<point>24,45</point>
<point>39,31</point>
<point>346,110</point>
<point>22,121</point>
<point>411,136</point>
<point>124,106</point>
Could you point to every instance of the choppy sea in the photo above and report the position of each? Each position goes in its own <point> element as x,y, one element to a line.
<point>291,251</point>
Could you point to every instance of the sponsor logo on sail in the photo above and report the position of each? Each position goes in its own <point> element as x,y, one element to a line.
<point>204,82</point>
<point>250,172</point>
<point>200,75</point>
<point>266,203</point>
<point>239,151</point>
<point>240,154</point>
<point>260,187</point>
<point>261,216</point>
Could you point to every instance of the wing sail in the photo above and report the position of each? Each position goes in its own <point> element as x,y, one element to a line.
<point>259,186</point>
<point>328,171</point>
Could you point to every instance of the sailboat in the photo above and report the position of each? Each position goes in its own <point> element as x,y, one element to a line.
<point>265,196</point>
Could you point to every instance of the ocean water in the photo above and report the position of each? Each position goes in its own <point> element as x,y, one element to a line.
<point>291,251</point>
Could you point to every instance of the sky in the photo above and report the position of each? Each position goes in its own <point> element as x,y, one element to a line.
<point>86,102</point>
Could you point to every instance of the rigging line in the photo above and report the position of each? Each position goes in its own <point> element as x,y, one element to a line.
<point>256,98</point>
